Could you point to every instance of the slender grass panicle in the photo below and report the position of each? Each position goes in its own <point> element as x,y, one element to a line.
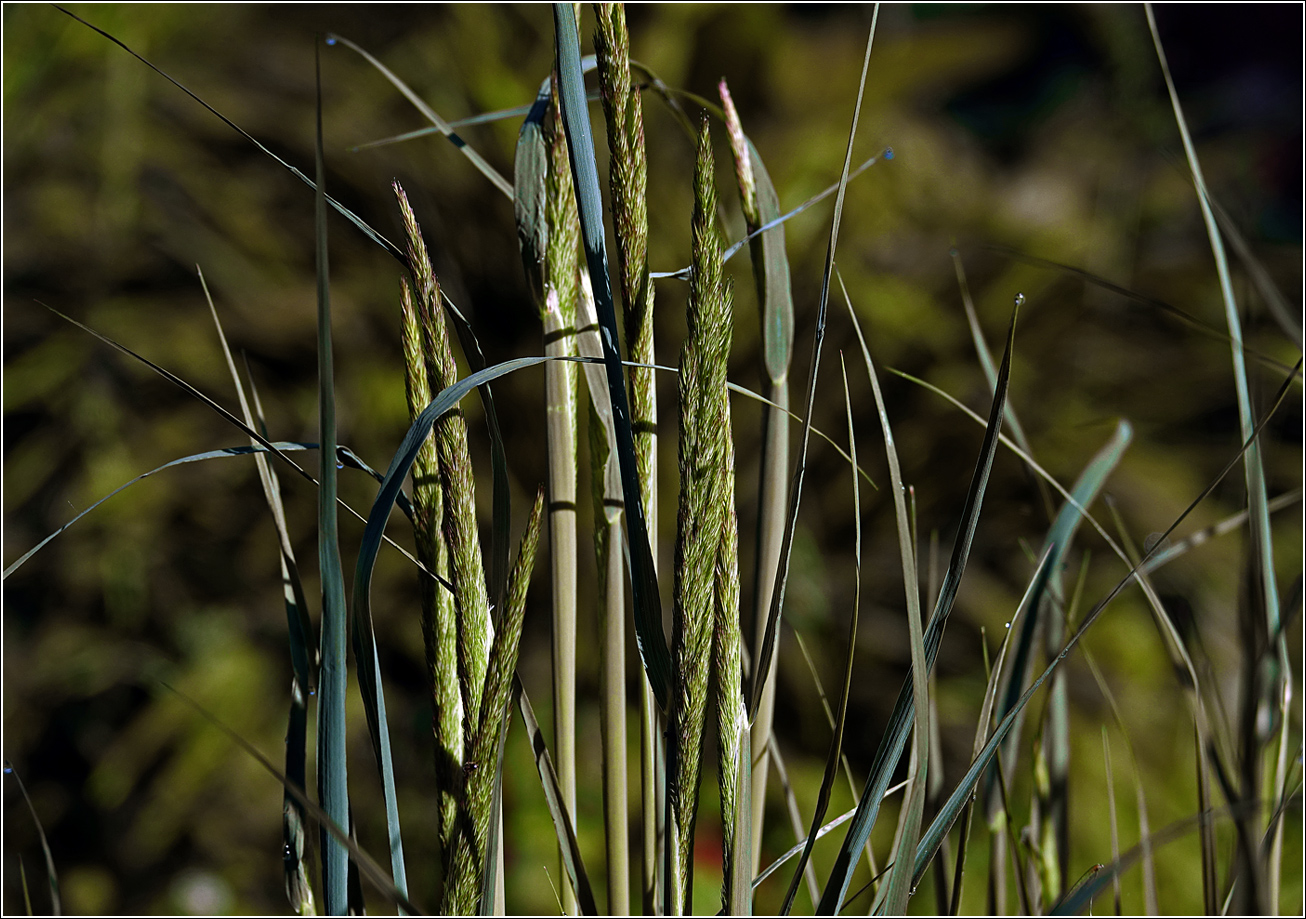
<point>702,530</point>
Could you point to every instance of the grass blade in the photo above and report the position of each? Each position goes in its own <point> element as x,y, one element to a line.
<point>56,907</point>
<point>439,123</point>
<point>648,616</point>
<point>332,772</point>
<point>930,842</point>
<point>298,886</point>
<point>900,886</point>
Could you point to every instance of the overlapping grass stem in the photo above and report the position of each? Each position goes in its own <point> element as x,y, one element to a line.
<point>628,181</point>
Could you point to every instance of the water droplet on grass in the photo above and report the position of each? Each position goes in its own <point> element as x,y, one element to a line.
<point>888,153</point>
<point>331,40</point>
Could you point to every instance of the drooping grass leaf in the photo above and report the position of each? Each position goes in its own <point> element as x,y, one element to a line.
<point>439,123</point>
<point>299,889</point>
<point>895,736</point>
<point>277,447</point>
<point>648,615</point>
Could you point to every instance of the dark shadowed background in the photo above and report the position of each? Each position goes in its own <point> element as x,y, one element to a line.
<point>1017,131</point>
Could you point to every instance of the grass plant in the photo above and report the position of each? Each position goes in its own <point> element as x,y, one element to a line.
<point>990,732</point>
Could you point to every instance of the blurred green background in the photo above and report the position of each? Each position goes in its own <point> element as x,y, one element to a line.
<point>1036,130</point>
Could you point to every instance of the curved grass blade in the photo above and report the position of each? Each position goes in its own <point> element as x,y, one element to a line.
<point>367,865</point>
<point>895,737</point>
<point>440,124</point>
<point>651,639</point>
<point>835,754</point>
<point>332,772</point>
<point>762,665</point>
<point>278,447</point>
<point>403,461</point>
<point>56,907</point>
<point>348,214</point>
<point>470,120</point>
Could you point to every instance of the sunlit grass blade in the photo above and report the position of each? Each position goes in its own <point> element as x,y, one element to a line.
<point>648,616</point>
<point>762,664</point>
<point>365,864</point>
<point>1113,821</point>
<point>835,754</point>
<point>272,447</point>
<point>439,123</point>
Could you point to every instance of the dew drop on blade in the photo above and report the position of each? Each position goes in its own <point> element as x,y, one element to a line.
<point>888,153</point>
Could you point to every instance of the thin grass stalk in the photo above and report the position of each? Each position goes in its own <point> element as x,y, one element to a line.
<point>559,317</point>
<point>612,661</point>
<point>704,446</point>
<point>901,884</point>
<point>776,305</point>
<point>439,619</point>
<point>795,815</point>
<point>628,182</point>
<point>468,863</point>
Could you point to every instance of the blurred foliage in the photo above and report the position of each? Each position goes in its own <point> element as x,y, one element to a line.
<point>1037,130</point>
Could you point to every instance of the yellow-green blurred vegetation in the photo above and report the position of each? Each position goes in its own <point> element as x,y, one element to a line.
<point>1017,131</point>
